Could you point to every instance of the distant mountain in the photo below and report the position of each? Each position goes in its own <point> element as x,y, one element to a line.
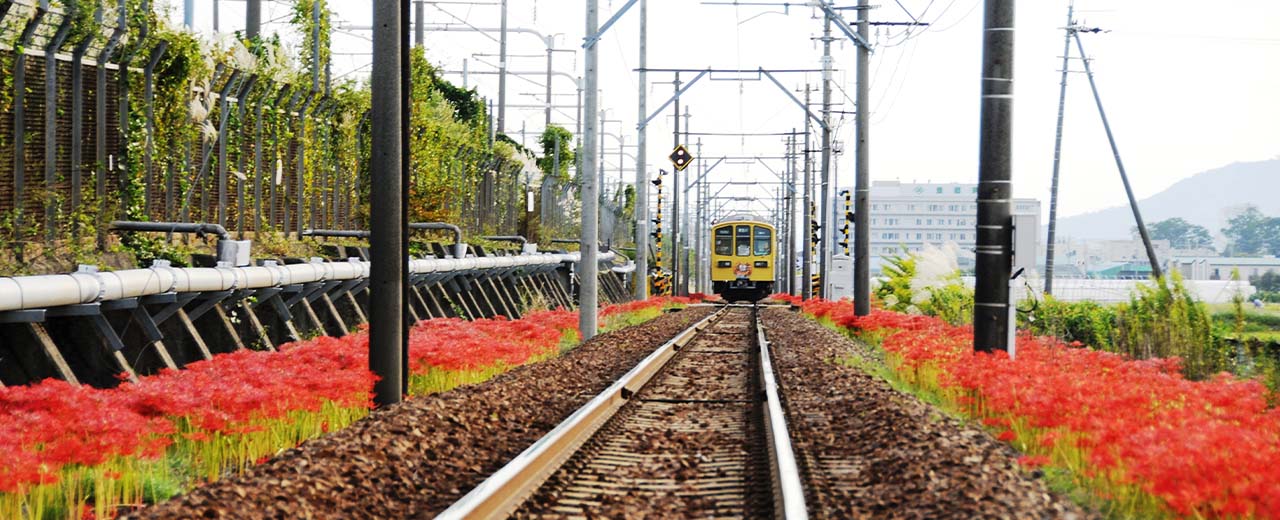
<point>1207,199</point>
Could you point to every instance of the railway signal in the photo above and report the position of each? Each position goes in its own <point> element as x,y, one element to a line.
<point>681,158</point>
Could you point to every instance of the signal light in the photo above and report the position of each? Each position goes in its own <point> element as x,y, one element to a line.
<point>657,182</point>
<point>848,215</point>
<point>656,234</point>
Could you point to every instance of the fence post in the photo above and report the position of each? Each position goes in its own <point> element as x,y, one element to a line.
<point>51,125</point>
<point>301,187</point>
<point>241,104</point>
<point>149,95</point>
<point>257,156</point>
<point>19,123</point>
<point>104,164</point>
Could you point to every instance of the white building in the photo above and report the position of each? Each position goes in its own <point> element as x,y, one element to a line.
<point>910,215</point>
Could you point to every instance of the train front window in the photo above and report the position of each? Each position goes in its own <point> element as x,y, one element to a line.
<point>724,241</point>
<point>744,241</point>
<point>764,241</point>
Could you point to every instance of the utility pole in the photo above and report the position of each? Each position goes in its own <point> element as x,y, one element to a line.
<point>675,201</point>
<point>1057,153</point>
<point>1124,177</point>
<point>550,44</point>
<point>641,288</point>
<point>388,221</point>
<point>683,221</point>
<point>588,276</point>
<point>696,269</point>
<point>862,165</point>
<point>420,27</point>
<point>188,13</point>
<point>502,72</point>
<point>216,27</point>
<point>995,182</point>
<point>790,281</point>
<point>806,270</point>
<point>825,258</point>
<point>252,19</point>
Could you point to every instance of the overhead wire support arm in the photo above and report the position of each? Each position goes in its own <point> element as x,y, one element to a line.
<point>673,99</point>
<point>843,25</point>
<point>795,99</point>
<point>707,171</point>
<point>591,39</point>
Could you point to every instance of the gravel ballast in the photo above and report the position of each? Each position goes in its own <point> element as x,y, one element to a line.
<point>416,458</point>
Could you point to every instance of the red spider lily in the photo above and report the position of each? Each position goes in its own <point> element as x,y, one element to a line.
<point>1203,448</point>
<point>51,427</point>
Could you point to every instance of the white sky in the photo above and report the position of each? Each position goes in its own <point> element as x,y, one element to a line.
<point>1188,86</point>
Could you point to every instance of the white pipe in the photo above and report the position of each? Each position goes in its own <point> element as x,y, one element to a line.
<point>39,292</point>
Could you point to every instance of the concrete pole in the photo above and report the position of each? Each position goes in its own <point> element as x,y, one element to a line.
<point>420,25</point>
<point>216,25</point>
<point>252,19</point>
<point>806,270</point>
<point>675,202</point>
<point>696,269</point>
<point>1057,154</point>
<point>188,13</point>
<point>502,72</point>
<point>862,165</point>
<point>547,122</point>
<point>995,182</point>
<point>588,269</point>
<point>824,259</point>
<point>641,288</point>
<point>387,237</point>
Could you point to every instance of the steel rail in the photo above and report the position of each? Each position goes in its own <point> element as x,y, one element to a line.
<point>788,490</point>
<point>505,490</point>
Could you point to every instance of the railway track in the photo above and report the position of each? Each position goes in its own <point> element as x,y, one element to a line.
<point>696,429</point>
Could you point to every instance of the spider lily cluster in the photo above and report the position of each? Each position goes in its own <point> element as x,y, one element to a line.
<point>77,451</point>
<point>1140,437</point>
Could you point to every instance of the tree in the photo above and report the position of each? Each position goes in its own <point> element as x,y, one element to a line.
<point>547,163</point>
<point>1253,233</point>
<point>1181,234</point>
<point>1268,281</point>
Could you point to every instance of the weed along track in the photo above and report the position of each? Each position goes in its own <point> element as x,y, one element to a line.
<point>694,440</point>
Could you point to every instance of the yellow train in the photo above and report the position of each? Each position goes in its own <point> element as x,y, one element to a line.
<point>743,256</point>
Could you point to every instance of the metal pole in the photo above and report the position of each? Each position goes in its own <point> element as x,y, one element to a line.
<point>675,202</point>
<point>862,182</point>
<point>995,181</point>
<point>387,239</point>
<point>588,269</point>
<point>216,27</point>
<point>806,269</point>
<point>1057,154</point>
<point>502,73</point>
<point>642,175</point>
<point>825,220</point>
<point>252,19</point>
<point>188,13</point>
<point>1124,177</point>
